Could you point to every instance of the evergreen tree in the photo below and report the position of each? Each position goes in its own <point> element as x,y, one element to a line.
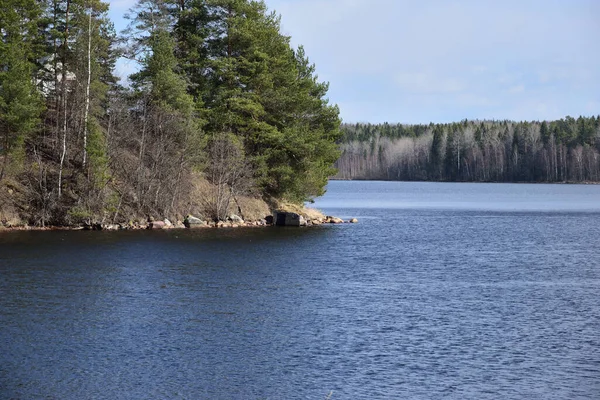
<point>437,155</point>
<point>20,103</point>
<point>254,85</point>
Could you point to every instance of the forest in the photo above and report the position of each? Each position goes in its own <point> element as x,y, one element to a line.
<point>222,107</point>
<point>566,150</point>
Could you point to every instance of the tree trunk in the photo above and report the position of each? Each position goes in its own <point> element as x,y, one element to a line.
<point>64,98</point>
<point>87,88</point>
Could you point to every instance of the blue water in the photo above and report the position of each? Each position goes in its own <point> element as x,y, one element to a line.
<point>440,291</point>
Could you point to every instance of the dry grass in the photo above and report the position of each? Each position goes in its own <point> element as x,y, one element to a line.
<point>9,196</point>
<point>306,212</point>
<point>252,208</point>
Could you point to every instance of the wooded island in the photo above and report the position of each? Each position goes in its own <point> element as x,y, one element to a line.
<point>223,115</point>
<point>222,109</point>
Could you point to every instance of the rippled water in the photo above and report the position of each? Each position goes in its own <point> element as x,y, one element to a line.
<point>441,291</point>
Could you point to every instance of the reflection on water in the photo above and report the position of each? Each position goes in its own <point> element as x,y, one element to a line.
<point>434,302</point>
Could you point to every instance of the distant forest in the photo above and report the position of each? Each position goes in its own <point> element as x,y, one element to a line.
<point>566,150</point>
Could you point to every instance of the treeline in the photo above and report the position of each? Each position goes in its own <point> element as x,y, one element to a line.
<point>566,150</point>
<point>221,97</point>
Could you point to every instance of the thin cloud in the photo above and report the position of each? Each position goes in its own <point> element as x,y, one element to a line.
<point>413,61</point>
<point>450,60</point>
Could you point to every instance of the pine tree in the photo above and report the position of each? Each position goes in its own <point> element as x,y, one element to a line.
<point>255,86</point>
<point>20,103</point>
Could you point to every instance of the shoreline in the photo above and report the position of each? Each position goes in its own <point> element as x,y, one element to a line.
<point>165,224</point>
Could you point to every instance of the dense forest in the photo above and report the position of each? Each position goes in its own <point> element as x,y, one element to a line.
<point>567,150</point>
<point>221,107</point>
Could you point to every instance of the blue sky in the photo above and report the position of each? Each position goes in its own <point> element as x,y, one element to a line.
<point>443,61</point>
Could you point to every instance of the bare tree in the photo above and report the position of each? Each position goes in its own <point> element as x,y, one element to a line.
<point>228,171</point>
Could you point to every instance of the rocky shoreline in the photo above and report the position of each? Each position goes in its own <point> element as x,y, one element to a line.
<point>278,218</point>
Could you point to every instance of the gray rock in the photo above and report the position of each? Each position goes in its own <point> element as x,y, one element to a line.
<point>283,218</point>
<point>193,222</point>
<point>236,219</point>
<point>112,227</point>
<point>156,225</point>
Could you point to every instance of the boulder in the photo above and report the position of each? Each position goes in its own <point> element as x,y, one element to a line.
<point>283,218</point>
<point>269,220</point>
<point>353,221</point>
<point>236,219</point>
<point>168,223</point>
<point>334,220</point>
<point>112,227</point>
<point>193,222</point>
<point>156,225</point>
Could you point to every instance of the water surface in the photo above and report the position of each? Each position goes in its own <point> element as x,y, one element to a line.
<point>441,291</point>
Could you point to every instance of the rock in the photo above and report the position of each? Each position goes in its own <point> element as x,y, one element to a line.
<point>283,218</point>
<point>353,221</point>
<point>316,222</point>
<point>236,219</point>
<point>168,223</point>
<point>112,227</point>
<point>193,222</point>
<point>179,225</point>
<point>269,220</point>
<point>156,225</point>
<point>334,220</point>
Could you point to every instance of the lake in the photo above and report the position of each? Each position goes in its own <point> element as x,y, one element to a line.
<point>442,290</point>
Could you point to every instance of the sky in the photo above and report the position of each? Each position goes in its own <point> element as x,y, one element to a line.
<point>411,61</point>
